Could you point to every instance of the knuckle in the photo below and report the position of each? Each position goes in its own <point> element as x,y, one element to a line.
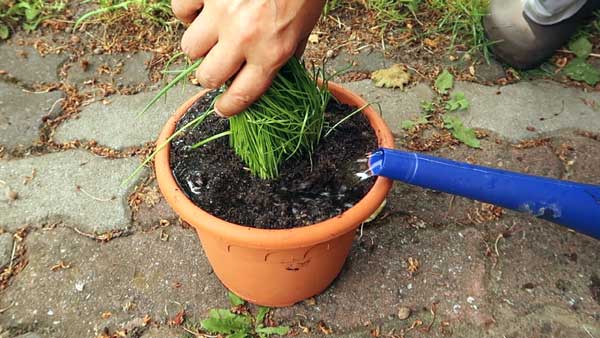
<point>282,53</point>
<point>206,80</point>
<point>247,36</point>
<point>239,99</point>
<point>178,8</point>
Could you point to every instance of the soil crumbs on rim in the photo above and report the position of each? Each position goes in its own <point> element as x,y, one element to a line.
<point>305,192</point>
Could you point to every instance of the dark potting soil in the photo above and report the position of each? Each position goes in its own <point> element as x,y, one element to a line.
<point>215,179</point>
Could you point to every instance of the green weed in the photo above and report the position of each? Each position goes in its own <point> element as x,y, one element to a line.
<point>226,323</point>
<point>155,11</point>
<point>331,5</point>
<point>462,20</point>
<point>459,19</point>
<point>579,69</point>
<point>28,14</point>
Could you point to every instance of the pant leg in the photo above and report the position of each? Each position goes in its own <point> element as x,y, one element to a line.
<point>548,12</point>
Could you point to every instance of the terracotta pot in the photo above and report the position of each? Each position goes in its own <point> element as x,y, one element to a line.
<point>275,267</point>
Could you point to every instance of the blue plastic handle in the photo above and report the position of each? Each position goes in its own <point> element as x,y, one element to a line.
<point>574,205</point>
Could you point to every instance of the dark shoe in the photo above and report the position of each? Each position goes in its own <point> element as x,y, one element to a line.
<point>522,43</point>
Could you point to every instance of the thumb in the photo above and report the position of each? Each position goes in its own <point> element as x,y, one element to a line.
<point>301,47</point>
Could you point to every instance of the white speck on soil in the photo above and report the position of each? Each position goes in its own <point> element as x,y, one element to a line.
<point>50,312</point>
<point>456,308</point>
<point>470,300</point>
<point>79,285</point>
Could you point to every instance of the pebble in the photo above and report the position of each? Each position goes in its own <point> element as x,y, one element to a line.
<point>403,313</point>
<point>11,195</point>
<point>79,285</point>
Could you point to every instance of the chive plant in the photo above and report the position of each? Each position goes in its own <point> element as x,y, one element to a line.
<point>287,120</point>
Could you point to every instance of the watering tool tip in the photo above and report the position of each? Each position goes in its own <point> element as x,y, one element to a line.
<point>376,162</point>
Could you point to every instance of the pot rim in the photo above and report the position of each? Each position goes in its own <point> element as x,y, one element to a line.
<point>273,238</point>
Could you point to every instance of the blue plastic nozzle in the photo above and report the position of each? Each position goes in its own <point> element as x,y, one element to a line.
<point>574,205</point>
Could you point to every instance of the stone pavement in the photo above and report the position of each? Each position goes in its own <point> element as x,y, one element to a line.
<point>88,255</point>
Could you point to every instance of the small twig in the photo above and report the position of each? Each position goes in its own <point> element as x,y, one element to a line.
<point>416,71</point>
<point>500,236</point>
<point>54,105</point>
<point>570,52</point>
<point>362,225</point>
<point>416,19</point>
<point>433,312</point>
<point>85,234</point>
<point>6,308</point>
<point>451,204</point>
<point>47,90</point>
<point>587,331</point>
<point>197,334</point>
<point>12,256</point>
<point>92,196</point>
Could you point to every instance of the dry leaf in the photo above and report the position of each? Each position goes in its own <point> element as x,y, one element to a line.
<point>433,43</point>
<point>394,77</point>
<point>326,330</point>
<point>313,38</point>
<point>178,319</point>
<point>60,266</point>
<point>310,301</point>
<point>413,265</point>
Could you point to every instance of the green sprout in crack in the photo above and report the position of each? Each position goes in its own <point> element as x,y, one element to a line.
<point>156,11</point>
<point>235,323</point>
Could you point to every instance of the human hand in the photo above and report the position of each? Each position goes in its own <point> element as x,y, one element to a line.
<point>247,40</point>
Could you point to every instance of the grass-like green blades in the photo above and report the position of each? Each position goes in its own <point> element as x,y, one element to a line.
<point>156,11</point>
<point>102,10</point>
<point>287,120</point>
<point>195,122</point>
<point>182,75</point>
<point>331,129</point>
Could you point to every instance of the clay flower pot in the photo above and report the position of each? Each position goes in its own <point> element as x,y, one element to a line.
<point>275,267</point>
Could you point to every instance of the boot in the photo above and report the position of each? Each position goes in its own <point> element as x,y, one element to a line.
<point>522,43</point>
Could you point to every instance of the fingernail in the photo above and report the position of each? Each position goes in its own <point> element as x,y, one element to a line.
<point>220,114</point>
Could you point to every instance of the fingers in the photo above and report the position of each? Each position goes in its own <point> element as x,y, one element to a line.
<point>186,10</point>
<point>250,83</point>
<point>200,37</point>
<point>301,47</point>
<point>221,63</point>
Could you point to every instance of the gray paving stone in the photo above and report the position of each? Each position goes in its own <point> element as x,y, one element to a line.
<point>132,69</point>
<point>29,335</point>
<point>396,105</point>
<point>529,109</point>
<point>115,125</point>
<point>163,332</point>
<point>367,60</point>
<point>129,277</point>
<point>26,65</point>
<point>21,114</point>
<point>6,245</point>
<point>99,204</point>
<point>491,71</point>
